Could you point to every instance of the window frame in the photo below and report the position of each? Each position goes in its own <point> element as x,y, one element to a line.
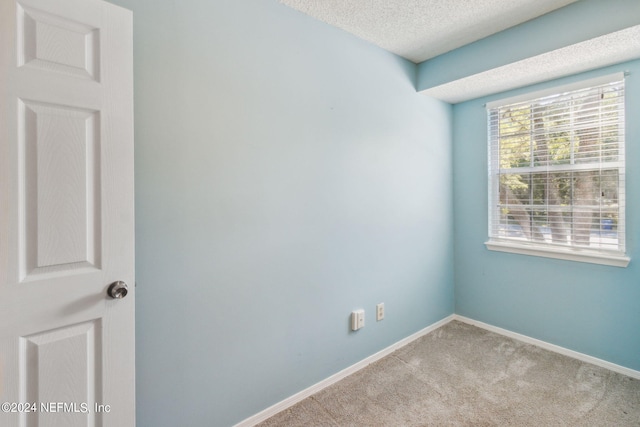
<point>571,253</point>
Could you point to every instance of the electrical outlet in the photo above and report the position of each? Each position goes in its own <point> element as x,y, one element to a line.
<point>380,311</point>
<point>357,319</point>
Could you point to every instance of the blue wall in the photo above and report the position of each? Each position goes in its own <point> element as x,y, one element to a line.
<point>592,309</point>
<point>286,174</point>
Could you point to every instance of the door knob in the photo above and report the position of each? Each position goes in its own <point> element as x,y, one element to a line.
<point>118,290</point>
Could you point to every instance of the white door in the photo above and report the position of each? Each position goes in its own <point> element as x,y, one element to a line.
<point>66,214</point>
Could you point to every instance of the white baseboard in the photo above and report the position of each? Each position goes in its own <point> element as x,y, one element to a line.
<point>298,397</point>
<point>551,347</point>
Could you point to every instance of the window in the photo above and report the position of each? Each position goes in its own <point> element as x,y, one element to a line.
<point>556,173</point>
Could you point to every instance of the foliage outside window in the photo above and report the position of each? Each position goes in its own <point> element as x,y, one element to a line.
<point>556,170</point>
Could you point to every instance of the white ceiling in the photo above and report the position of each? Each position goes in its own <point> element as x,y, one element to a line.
<point>421,29</point>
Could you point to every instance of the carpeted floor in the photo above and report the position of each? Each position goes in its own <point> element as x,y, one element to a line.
<point>461,375</point>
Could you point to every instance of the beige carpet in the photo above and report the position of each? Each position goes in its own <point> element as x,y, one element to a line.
<point>461,375</point>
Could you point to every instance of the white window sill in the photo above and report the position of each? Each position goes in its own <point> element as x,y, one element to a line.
<point>559,253</point>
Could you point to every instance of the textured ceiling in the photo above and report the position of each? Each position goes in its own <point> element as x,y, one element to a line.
<point>613,48</point>
<point>421,29</point>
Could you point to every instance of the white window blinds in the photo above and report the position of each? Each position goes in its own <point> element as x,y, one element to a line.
<point>556,168</point>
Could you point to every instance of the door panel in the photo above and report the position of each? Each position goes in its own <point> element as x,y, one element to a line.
<point>53,42</point>
<point>66,214</point>
<point>60,145</point>
<point>75,379</point>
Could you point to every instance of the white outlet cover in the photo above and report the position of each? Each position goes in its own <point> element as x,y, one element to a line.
<point>357,319</point>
